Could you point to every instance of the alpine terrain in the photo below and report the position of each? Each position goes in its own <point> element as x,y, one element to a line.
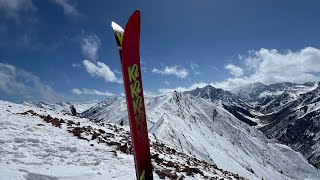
<point>201,134</point>
<point>288,112</point>
<point>208,131</point>
<point>40,144</point>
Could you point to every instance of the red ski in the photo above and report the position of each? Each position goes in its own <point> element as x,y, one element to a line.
<point>129,48</point>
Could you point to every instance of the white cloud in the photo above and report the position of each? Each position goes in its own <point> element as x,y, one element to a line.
<point>116,71</point>
<point>267,66</point>
<point>182,89</point>
<point>90,46</point>
<point>234,70</point>
<point>13,8</point>
<point>195,68</point>
<point>272,66</point>
<point>172,70</point>
<point>150,94</point>
<point>76,91</point>
<point>85,91</point>
<point>18,82</point>
<point>166,82</point>
<point>76,65</point>
<point>100,70</point>
<point>144,69</point>
<point>68,7</point>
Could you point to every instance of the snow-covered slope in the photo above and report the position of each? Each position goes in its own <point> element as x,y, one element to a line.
<point>198,127</point>
<point>112,110</point>
<point>288,112</point>
<point>39,144</point>
<point>32,149</point>
<point>201,128</point>
<point>295,122</point>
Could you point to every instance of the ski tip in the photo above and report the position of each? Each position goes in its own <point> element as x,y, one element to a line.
<point>137,11</point>
<point>134,17</point>
<point>116,27</point>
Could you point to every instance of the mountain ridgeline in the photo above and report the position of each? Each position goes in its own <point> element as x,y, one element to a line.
<point>287,112</point>
<point>239,108</point>
<point>229,128</point>
<point>238,130</point>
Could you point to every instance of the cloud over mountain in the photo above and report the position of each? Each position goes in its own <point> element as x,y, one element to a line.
<point>172,70</point>
<point>234,70</point>
<point>268,66</point>
<point>271,66</point>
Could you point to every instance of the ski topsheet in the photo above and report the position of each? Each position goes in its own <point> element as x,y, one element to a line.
<point>129,48</point>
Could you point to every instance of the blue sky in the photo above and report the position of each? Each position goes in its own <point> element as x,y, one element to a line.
<point>57,50</point>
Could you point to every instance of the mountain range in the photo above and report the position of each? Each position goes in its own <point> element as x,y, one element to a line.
<point>256,131</point>
<point>266,108</point>
<point>287,112</point>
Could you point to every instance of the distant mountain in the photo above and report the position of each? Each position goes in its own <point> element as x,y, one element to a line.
<point>63,107</point>
<point>110,110</point>
<point>213,94</point>
<point>289,112</point>
<point>240,109</point>
<point>206,130</point>
<point>258,93</point>
<point>249,92</point>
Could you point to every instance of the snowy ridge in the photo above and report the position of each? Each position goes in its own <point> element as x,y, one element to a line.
<point>114,110</point>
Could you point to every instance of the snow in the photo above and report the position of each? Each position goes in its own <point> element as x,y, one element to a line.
<point>116,27</point>
<point>301,89</point>
<point>198,127</point>
<point>268,93</point>
<point>30,148</point>
<point>114,109</point>
<point>250,118</point>
<point>30,151</point>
